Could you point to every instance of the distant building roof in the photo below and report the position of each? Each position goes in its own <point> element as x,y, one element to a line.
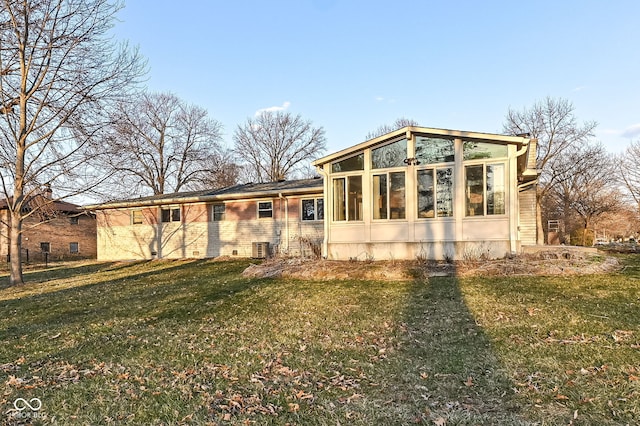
<point>248,190</point>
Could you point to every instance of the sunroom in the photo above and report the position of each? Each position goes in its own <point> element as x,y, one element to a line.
<point>430,193</point>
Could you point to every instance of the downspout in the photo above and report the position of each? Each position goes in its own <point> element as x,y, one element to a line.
<point>286,217</point>
<point>326,220</point>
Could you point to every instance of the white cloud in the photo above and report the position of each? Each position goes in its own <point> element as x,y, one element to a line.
<point>379,98</point>
<point>284,107</point>
<point>579,89</point>
<point>632,131</point>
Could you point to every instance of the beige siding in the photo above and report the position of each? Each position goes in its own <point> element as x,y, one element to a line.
<point>527,201</point>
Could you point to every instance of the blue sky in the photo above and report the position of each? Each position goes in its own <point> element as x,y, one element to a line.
<point>351,66</point>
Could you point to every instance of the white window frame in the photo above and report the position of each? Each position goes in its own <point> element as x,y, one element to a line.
<point>348,208</point>
<point>315,209</point>
<point>213,212</point>
<point>485,195</point>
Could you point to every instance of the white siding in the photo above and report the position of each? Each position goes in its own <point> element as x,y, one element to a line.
<point>528,216</point>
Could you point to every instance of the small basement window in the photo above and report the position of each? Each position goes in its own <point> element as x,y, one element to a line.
<point>74,248</point>
<point>45,247</point>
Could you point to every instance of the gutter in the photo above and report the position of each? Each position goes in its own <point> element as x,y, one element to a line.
<point>204,198</point>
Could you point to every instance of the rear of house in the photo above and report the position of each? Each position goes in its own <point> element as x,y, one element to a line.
<point>251,220</point>
<point>413,193</point>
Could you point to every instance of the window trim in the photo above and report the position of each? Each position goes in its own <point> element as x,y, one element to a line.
<point>434,175</point>
<point>212,218</point>
<point>347,207</point>
<point>387,196</point>
<point>485,198</point>
<point>133,217</point>
<point>171,210</point>
<point>315,209</point>
<point>47,244</point>
<point>258,209</point>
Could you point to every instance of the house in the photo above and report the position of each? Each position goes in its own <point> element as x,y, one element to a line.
<point>250,220</point>
<point>413,193</point>
<point>56,229</point>
<point>430,193</point>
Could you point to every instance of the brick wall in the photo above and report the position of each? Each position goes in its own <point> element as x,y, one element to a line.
<point>197,236</point>
<point>59,233</point>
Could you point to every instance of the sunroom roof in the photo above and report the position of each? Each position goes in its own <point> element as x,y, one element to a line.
<point>424,131</point>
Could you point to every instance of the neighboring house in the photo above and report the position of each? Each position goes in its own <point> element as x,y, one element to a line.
<point>60,229</point>
<point>234,221</point>
<point>430,193</point>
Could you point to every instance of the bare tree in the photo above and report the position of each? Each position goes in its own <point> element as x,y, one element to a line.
<point>59,72</point>
<point>553,123</point>
<point>276,145</point>
<point>585,188</point>
<point>161,144</point>
<point>629,171</point>
<point>223,170</point>
<point>386,128</point>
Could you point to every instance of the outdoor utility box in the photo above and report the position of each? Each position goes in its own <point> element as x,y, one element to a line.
<point>260,250</point>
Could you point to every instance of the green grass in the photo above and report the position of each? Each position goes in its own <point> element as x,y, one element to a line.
<point>192,342</point>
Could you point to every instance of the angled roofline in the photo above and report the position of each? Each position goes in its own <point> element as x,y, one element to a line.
<point>222,194</point>
<point>407,131</point>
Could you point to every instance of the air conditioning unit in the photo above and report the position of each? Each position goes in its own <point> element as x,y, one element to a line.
<point>260,250</point>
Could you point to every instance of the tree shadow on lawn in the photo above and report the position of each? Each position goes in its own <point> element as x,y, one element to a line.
<point>63,271</point>
<point>95,320</point>
<point>110,298</point>
<point>445,368</point>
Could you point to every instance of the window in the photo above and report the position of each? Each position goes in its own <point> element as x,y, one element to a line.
<point>265,209</point>
<point>347,198</point>
<point>73,220</point>
<point>485,184</point>
<point>389,196</point>
<point>170,214</point>
<point>217,212</point>
<point>349,165</point>
<point>45,247</point>
<point>74,248</point>
<point>434,150</point>
<point>481,150</point>
<point>438,201</point>
<point>495,189</point>
<point>391,155</point>
<point>136,217</point>
<point>312,209</point>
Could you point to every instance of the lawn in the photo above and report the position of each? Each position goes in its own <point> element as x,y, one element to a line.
<point>193,342</point>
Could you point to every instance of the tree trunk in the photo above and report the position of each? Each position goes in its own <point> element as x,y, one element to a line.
<point>15,248</point>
